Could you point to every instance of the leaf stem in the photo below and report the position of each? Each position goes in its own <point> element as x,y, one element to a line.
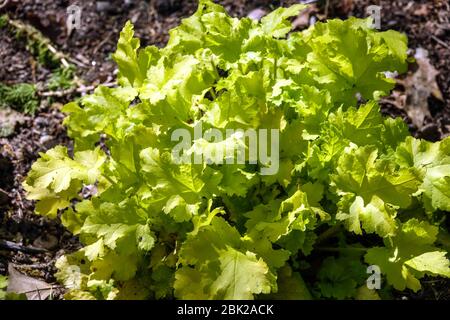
<point>328,233</point>
<point>213,94</point>
<point>275,69</point>
<point>109,179</point>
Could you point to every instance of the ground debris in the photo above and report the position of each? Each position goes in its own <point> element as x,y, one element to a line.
<point>33,288</point>
<point>419,86</point>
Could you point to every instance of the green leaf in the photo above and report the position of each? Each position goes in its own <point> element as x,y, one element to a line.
<point>177,207</point>
<point>410,255</point>
<point>435,263</point>
<point>277,24</point>
<point>436,186</point>
<point>375,217</point>
<point>222,269</point>
<point>242,276</point>
<point>360,172</point>
<point>55,178</point>
<point>434,159</point>
<point>103,112</point>
<point>220,228</point>
<point>348,57</point>
<point>133,64</point>
<point>3,286</point>
<point>169,181</point>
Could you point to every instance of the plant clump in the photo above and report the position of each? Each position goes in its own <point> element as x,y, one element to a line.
<point>353,188</point>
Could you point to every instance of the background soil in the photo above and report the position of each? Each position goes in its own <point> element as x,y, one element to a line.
<point>427,24</point>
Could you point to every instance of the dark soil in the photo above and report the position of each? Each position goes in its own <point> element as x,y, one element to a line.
<point>427,24</point>
<point>17,65</point>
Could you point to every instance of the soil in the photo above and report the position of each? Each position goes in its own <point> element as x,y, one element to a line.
<point>427,24</point>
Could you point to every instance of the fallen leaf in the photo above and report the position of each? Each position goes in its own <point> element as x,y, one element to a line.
<point>304,18</point>
<point>419,86</point>
<point>34,289</point>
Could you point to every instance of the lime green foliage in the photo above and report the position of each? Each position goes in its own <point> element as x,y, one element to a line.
<point>3,21</point>
<point>3,286</point>
<point>152,228</point>
<point>21,97</point>
<point>55,176</point>
<point>61,78</point>
<point>410,255</point>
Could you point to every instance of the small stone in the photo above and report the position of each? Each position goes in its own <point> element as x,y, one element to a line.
<point>129,3</point>
<point>45,139</point>
<point>103,6</point>
<point>257,14</point>
<point>108,6</point>
<point>46,241</point>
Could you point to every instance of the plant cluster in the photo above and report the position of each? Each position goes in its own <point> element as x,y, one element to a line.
<point>21,97</point>
<point>353,188</point>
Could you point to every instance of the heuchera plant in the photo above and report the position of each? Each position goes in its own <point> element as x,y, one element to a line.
<point>353,188</point>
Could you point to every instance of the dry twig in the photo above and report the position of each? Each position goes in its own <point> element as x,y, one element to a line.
<point>12,246</point>
<point>4,4</point>
<point>442,43</point>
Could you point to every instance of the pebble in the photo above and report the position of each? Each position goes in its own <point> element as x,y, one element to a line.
<point>257,14</point>
<point>103,6</point>
<point>45,139</point>
<point>46,241</point>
